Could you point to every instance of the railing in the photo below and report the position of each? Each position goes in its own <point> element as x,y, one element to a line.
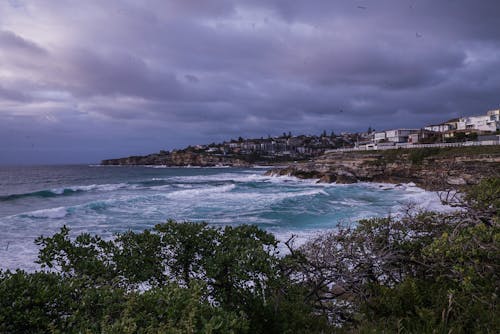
<point>410,146</point>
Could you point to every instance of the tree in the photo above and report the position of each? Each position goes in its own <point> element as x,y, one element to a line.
<point>198,278</point>
<point>420,273</point>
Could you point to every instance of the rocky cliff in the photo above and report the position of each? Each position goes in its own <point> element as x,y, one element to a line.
<point>432,169</point>
<point>181,158</point>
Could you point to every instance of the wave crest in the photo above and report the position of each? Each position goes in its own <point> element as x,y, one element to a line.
<point>47,193</point>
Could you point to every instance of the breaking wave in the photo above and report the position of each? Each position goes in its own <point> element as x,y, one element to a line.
<point>47,193</point>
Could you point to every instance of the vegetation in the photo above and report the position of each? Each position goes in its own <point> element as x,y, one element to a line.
<point>419,155</point>
<point>422,272</point>
<point>462,137</point>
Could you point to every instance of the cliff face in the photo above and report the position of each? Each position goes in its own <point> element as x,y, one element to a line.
<point>178,159</point>
<point>432,169</point>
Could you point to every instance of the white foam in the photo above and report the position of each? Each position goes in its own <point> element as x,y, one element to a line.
<point>201,191</point>
<point>53,213</point>
<point>235,177</point>
<point>91,187</point>
<point>247,176</point>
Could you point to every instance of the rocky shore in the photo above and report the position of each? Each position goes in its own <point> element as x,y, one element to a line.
<point>431,169</point>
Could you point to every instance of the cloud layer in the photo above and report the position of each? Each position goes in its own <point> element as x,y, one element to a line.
<point>85,80</point>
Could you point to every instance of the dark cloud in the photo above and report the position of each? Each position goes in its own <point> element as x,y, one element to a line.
<point>12,95</point>
<point>85,81</point>
<point>10,42</point>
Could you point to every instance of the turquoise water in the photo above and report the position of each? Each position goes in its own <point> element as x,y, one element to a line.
<point>106,200</point>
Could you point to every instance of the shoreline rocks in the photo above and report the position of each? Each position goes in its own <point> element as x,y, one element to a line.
<point>436,171</point>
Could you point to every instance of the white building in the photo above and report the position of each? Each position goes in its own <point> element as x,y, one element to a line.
<point>489,122</point>
<point>494,116</point>
<point>443,127</point>
<point>378,136</point>
<point>400,135</point>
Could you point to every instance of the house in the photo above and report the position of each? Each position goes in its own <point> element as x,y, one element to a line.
<point>443,127</point>
<point>250,146</point>
<point>379,136</point>
<point>425,136</point>
<point>400,135</point>
<point>487,123</point>
<point>494,116</point>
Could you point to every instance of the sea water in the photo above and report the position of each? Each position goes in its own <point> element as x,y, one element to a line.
<point>105,200</point>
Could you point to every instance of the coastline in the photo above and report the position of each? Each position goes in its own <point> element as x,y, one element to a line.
<point>429,168</point>
<point>434,170</point>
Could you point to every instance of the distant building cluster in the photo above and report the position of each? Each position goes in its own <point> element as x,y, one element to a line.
<point>482,127</point>
<point>286,147</point>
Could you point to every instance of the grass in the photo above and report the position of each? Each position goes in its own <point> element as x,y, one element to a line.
<point>419,155</point>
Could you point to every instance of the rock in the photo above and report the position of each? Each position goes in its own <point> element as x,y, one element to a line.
<point>346,179</point>
<point>327,179</point>
<point>456,181</point>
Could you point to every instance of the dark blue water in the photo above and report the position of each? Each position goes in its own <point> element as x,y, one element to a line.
<point>106,200</point>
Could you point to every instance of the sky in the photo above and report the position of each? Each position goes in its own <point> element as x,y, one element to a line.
<point>82,81</point>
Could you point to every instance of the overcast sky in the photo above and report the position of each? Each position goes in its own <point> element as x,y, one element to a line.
<point>81,81</point>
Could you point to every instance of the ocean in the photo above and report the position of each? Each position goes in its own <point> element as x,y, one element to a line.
<point>39,200</point>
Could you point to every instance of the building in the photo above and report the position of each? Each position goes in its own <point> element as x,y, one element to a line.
<point>494,117</point>
<point>400,135</point>
<point>424,136</point>
<point>379,136</point>
<point>443,127</point>
<point>484,123</point>
<point>450,125</point>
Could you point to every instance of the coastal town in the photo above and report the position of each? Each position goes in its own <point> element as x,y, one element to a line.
<point>477,130</point>
<point>463,131</point>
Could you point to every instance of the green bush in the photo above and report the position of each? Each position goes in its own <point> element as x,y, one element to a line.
<point>418,155</point>
<point>175,278</point>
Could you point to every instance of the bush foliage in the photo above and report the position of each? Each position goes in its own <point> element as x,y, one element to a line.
<point>422,272</point>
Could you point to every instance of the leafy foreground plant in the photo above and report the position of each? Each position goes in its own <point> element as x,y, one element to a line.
<point>175,278</point>
<point>421,273</point>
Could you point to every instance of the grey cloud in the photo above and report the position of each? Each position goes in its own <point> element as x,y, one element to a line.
<point>11,42</point>
<point>192,78</point>
<point>12,95</point>
<point>161,74</point>
<point>117,73</point>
